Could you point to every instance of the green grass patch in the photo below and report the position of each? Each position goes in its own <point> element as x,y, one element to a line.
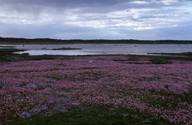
<point>93,115</point>
<point>168,100</point>
<point>160,60</point>
<point>5,59</point>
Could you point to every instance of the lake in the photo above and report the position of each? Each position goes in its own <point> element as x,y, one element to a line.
<point>101,49</point>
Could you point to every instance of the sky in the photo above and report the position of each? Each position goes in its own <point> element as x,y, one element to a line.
<point>97,19</point>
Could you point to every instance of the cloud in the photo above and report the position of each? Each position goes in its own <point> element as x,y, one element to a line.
<point>95,19</point>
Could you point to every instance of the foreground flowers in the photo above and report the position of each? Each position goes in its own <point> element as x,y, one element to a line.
<point>51,86</point>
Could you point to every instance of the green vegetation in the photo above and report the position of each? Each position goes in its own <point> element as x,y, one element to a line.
<point>94,115</point>
<point>189,54</point>
<point>8,55</point>
<point>177,56</point>
<point>160,60</point>
<point>80,41</point>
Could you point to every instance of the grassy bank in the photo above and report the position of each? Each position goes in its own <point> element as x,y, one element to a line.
<point>8,55</point>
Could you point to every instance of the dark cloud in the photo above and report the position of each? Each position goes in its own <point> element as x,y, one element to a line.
<point>60,3</point>
<point>63,2</point>
<point>91,5</point>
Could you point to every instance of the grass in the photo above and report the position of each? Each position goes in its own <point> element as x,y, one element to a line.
<point>5,59</point>
<point>160,60</point>
<point>8,55</point>
<point>177,56</point>
<point>135,59</point>
<point>93,115</point>
<point>187,54</point>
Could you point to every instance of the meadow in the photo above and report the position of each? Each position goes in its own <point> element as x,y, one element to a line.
<point>96,90</point>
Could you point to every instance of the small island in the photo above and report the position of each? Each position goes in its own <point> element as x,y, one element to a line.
<point>67,48</point>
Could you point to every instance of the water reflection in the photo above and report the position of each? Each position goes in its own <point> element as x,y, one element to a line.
<point>55,52</point>
<point>102,49</point>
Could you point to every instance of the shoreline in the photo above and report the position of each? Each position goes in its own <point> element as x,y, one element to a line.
<point>94,41</point>
<point>9,55</point>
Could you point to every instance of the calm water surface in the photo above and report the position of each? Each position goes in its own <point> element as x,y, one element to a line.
<point>103,49</point>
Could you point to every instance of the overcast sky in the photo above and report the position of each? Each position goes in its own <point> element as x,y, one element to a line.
<point>96,19</point>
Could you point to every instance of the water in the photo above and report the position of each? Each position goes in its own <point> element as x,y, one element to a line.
<point>103,49</point>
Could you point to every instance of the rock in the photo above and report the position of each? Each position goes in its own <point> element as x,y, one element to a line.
<point>39,109</point>
<point>25,115</point>
<point>60,108</point>
<point>40,87</point>
<point>44,108</point>
<point>32,86</point>
<point>22,84</point>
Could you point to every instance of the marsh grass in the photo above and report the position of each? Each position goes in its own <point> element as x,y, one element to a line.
<point>160,60</point>
<point>93,115</point>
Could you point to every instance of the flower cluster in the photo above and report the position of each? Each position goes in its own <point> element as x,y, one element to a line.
<point>50,86</point>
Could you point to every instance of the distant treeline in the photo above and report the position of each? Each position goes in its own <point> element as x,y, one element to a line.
<point>80,41</point>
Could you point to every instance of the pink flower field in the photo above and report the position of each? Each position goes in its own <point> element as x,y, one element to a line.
<point>47,87</point>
